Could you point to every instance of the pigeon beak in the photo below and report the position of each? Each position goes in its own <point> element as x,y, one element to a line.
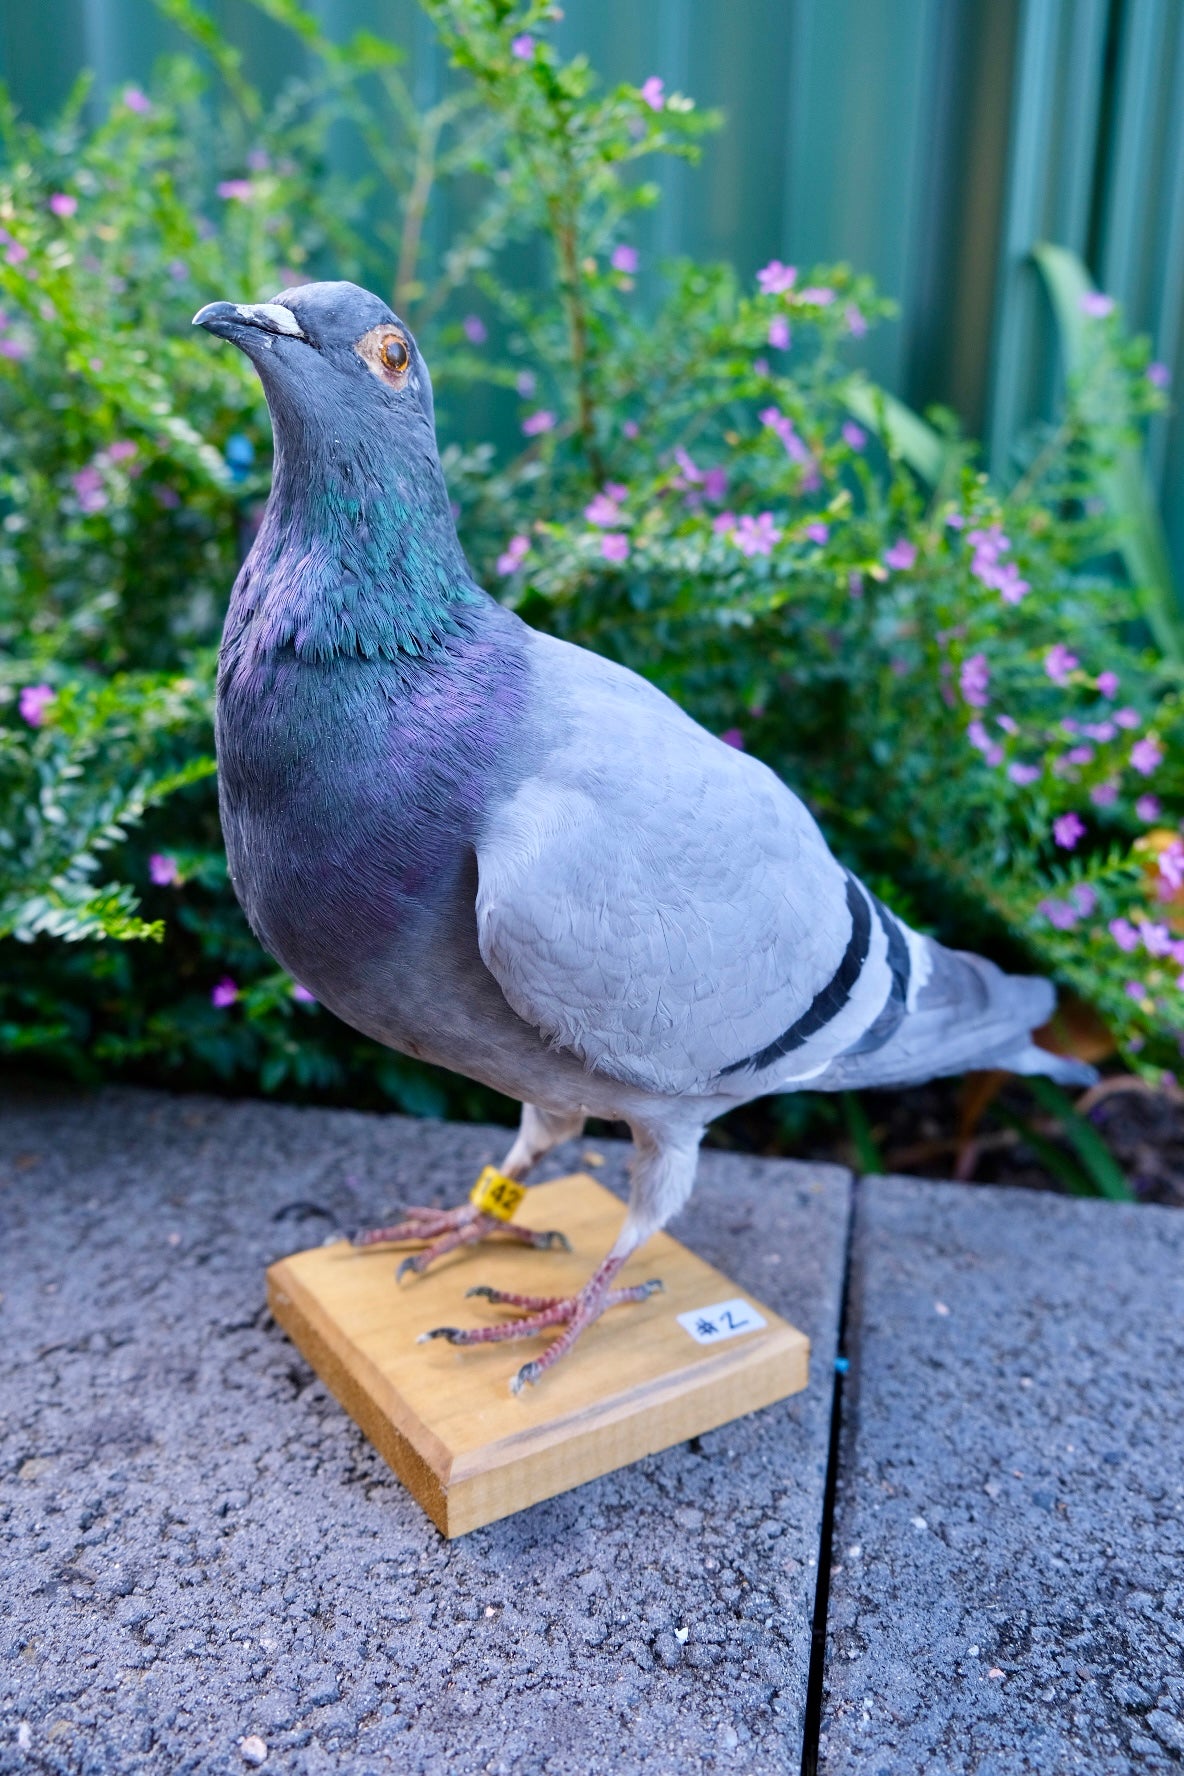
<point>233,320</point>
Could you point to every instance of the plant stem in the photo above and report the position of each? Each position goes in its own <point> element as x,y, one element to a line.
<point>564,230</point>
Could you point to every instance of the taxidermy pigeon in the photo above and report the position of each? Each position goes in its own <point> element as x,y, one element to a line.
<point>513,858</point>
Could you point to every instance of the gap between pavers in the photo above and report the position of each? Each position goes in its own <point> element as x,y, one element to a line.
<point>1007,1587</point>
<point>197,1545</point>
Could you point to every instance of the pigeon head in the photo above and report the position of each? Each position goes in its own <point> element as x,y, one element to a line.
<point>326,350</point>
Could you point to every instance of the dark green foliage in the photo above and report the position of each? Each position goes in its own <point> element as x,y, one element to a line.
<point>687,493</point>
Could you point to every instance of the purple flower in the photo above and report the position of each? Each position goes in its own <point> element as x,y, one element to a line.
<point>1080,755</point>
<point>974,679</point>
<point>625,259</point>
<point>856,325</point>
<point>522,47</point>
<point>653,92</point>
<point>756,536</point>
<point>779,334</point>
<point>1059,663</point>
<point>725,522</point>
<point>63,204</point>
<point>1171,865</point>
<point>1108,683</point>
<point>224,994</point>
<point>1128,718</point>
<point>162,870</point>
<point>1023,774</point>
<point>614,547</point>
<point>853,436</point>
<point>901,555</point>
<point>1159,376</point>
<point>1067,829</point>
<point>34,701</point>
<point>88,485</point>
<point>855,585</point>
<point>1146,756</point>
<point>511,559</point>
<point>17,253</point>
<point>14,348</point>
<point>715,485</point>
<point>1136,990</point>
<point>1157,940</point>
<point>258,160</point>
<point>775,278</point>
<point>1059,914</point>
<point>979,738</point>
<point>121,451</point>
<point>818,294</point>
<point>818,533</point>
<point>1084,898</point>
<point>603,511</point>
<point>955,520</point>
<point>135,100</point>
<point>236,191</point>
<point>302,995</point>
<point>733,737</point>
<point>1124,935</point>
<point>1104,795</point>
<point>534,423</point>
<point>1100,731</point>
<point>631,429</point>
<point>525,384</point>
<point>1147,807</point>
<point>475,330</point>
<point>1096,305</point>
<point>783,426</point>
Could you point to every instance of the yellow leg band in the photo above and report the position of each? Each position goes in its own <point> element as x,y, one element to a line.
<point>495,1194</point>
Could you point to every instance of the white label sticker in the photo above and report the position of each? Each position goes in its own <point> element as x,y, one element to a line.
<point>726,1319</point>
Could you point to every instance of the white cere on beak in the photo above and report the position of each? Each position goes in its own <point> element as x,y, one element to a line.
<point>272,315</point>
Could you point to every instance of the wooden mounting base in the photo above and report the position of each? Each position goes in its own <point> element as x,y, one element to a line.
<point>637,1381</point>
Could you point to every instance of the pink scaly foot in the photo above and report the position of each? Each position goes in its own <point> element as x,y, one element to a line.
<point>572,1312</point>
<point>443,1230</point>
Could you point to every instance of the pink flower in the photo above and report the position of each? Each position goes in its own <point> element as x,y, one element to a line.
<point>614,547</point>
<point>14,349</point>
<point>475,330</point>
<point>1146,756</point>
<point>756,536</point>
<point>1096,305</point>
<point>783,426</point>
<point>631,429</point>
<point>974,679</point>
<point>302,995</point>
<point>1080,755</point>
<point>733,737</point>
<point>88,485</point>
<point>525,384</point>
<point>955,520</point>
<point>17,253</point>
<point>715,485</point>
<point>62,204</point>
<point>818,533</point>
<point>1104,795</point>
<point>162,870</point>
<point>1059,663</point>
<point>1171,865</point>
<point>774,278</point>
<point>1067,829</point>
<point>1124,934</point>
<point>511,559</point>
<point>779,334</point>
<point>603,511</point>
<point>856,325</point>
<point>34,701</point>
<point>236,191</point>
<point>616,490</point>
<point>1128,718</point>
<point>724,523</point>
<point>1023,774</point>
<point>534,423</point>
<point>1108,683</point>
<point>979,738</point>
<point>653,92</point>
<point>625,259</point>
<point>1157,940</point>
<point>135,100</point>
<point>1159,376</point>
<point>1059,914</point>
<point>901,555</point>
<point>1084,898</point>
<point>853,436</point>
<point>1136,990</point>
<point>522,47</point>
<point>1100,731</point>
<point>1147,807</point>
<point>121,451</point>
<point>818,294</point>
<point>224,994</point>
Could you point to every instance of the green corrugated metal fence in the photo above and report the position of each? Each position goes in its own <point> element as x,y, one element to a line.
<point>930,142</point>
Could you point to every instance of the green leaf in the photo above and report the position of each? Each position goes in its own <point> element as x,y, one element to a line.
<point>1095,1156</point>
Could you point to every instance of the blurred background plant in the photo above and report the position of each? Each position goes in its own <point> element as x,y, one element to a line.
<point>975,682</point>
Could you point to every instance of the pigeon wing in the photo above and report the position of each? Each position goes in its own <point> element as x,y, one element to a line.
<point>661,905</point>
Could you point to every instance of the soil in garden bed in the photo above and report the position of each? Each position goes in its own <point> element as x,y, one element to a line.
<point>919,1131</point>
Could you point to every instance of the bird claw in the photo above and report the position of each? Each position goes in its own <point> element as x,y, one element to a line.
<point>527,1376</point>
<point>451,1333</point>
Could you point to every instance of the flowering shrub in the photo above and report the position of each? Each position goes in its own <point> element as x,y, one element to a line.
<point>955,674</point>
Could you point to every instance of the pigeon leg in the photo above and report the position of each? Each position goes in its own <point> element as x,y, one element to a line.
<point>573,1312</point>
<point>444,1230</point>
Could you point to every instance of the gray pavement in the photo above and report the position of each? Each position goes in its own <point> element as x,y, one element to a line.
<point>1008,1587</point>
<point>197,1547</point>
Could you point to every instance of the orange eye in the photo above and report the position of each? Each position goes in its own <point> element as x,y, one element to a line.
<point>395,355</point>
